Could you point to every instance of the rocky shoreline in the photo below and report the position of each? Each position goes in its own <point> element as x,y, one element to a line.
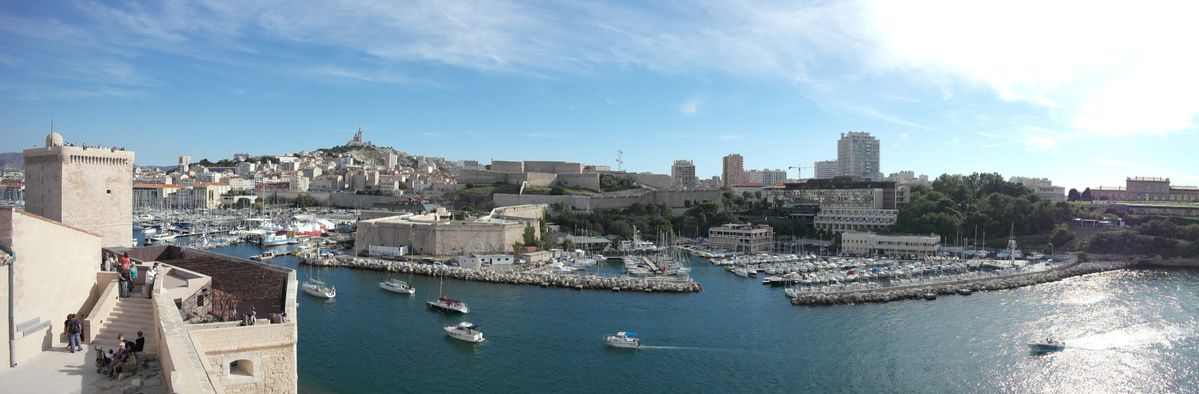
<point>964,287</point>
<point>578,282</point>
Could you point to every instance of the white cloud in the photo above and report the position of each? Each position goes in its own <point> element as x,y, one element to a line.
<point>1103,68</point>
<point>1107,68</point>
<point>690,107</point>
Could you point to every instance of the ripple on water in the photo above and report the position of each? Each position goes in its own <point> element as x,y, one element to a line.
<point>1134,332</point>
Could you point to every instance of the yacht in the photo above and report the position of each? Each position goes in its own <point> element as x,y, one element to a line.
<point>447,304</point>
<point>397,286</point>
<point>742,272</point>
<point>623,339</point>
<point>465,331</point>
<point>1050,345</point>
<point>319,289</point>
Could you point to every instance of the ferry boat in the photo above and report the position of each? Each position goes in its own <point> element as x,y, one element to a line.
<point>465,331</point>
<point>319,289</point>
<point>623,339</point>
<point>1050,345</point>
<point>397,286</point>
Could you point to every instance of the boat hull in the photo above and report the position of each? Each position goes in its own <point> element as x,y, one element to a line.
<point>315,292</point>
<point>396,289</point>
<point>447,307</point>
<point>454,332</point>
<point>617,343</point>
<point>1046,347</point>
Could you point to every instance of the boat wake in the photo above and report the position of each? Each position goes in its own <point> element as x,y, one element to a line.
<point>1134,338</point>
<point>671,347</point>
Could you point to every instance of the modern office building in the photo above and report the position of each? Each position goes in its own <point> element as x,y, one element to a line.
<point>745,238</point>
<point>858,155</point>
<point>843,203</point>
<point>872,244</point>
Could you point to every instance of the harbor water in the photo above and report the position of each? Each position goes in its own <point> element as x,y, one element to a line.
<point>1126,331</point>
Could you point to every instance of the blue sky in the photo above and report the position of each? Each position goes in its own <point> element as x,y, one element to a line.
<point>1082,93</point>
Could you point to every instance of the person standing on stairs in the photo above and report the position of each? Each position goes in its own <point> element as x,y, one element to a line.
<point>73,328</point>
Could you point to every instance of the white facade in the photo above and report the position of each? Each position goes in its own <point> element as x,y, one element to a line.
<point>244,168</point>
<point>871,244</point>
<point>826,169</point>
<point>855,219</point>
<point>858,155</point>
<point>765,177</point>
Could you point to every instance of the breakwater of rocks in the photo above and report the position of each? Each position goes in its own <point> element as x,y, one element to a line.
<point>578,282</point>
<point>963,287</point>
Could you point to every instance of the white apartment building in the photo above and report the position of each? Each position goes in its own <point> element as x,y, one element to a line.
<point>858,155</point>
<point>826,169</point>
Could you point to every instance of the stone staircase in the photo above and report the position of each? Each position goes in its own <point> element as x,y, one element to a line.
<point>129,316</point>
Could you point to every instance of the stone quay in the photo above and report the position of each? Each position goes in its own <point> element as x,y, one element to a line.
<point>578,282</point>
<point>963,287</point>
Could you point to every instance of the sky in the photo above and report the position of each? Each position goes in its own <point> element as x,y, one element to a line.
<point>1084,93</point>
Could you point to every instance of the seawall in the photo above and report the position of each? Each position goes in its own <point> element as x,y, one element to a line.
<point>957,287</point>
<point>579,282</point>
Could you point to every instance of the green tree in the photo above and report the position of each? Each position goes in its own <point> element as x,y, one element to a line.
<point>530,236</point>
<point>1073,195</point>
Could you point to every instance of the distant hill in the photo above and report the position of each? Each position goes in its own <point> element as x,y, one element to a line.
<point>12,160</point>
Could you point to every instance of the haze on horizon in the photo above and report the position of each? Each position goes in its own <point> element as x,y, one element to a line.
<point>1079,92</point>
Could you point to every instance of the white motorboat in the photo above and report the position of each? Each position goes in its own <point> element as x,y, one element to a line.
<point>741,272</point>
<point>447,304</point>
<point>623,339</point>
<point>267,255</point>
<point>1050,345</point>
<point>166,236</point>
<point>319,289</point>
<point>397,286</point>
<point>465,331</point>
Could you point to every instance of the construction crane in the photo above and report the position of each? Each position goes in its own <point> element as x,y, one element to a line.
<point>799,173</point>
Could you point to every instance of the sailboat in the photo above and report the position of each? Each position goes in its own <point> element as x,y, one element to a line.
<point>316,288</point>
<point>397,286</point>
<point>447,304</point>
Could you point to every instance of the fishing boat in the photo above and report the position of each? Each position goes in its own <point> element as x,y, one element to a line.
<point>623,339</point>
<point>446,304</point>
<point>316,288</point>
<point>465,331</point>
<point>1049,345</point>
<point>397,286</point>
<point>276,239</point>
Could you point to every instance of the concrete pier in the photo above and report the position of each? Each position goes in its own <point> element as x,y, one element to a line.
<point>578,282</point>
<point>963,287</point>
